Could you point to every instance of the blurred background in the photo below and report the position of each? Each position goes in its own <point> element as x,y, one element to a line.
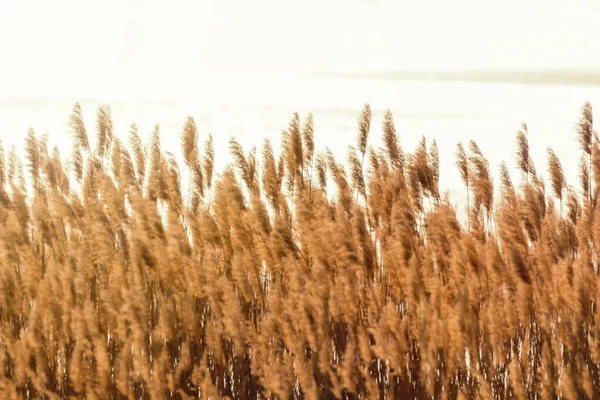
<point>451,71</point>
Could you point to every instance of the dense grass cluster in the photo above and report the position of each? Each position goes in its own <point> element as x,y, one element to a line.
<point>294,275</point>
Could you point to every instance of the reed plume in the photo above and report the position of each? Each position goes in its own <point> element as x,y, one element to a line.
<point>104,129</point>
<point>208,161</point>
<point>191,157</point>
<point>524,162</point>
<point>557,176</point>
<point>308,139</point>
<point>2,166</point>
<point>585,131</point>
<point>33,157</point>
<point>434,160</point>
<point>390,140</point>
<point>462,164</point>
<point>585,128</point>
<point>156,185</point>
<point>77,127</point>
<point>364,127</point>
<point>137,150</point>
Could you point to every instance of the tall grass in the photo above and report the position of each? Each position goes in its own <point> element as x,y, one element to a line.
<point>294,275</point>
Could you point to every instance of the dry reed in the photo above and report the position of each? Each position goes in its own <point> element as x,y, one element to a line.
<point>269,283</point>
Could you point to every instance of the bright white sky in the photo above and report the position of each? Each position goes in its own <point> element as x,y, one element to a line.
<point>123,47</point>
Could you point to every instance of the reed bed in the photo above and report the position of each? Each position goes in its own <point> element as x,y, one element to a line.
<point>295,275</point>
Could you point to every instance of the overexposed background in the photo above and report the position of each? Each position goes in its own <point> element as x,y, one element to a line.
<point>242,67</point>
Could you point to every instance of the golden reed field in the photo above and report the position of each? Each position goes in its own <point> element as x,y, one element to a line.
<point>295,275</point>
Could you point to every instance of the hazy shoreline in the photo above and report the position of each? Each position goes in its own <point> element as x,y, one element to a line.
<point>571,77</point>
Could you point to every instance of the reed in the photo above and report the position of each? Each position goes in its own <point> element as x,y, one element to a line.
<point>294,275</point>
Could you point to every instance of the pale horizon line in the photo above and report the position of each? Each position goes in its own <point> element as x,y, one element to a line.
<point>577,76</point>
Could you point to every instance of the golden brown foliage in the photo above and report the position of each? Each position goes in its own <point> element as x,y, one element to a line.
<point>370,290</point>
